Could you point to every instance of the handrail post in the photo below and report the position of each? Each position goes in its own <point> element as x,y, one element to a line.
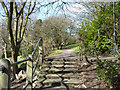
<point>5,74</point>
<point>29,74</point>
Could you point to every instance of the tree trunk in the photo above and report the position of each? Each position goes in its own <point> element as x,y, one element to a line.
<point>61,47</point>
<point>14,58</point>
<point>57,46</point>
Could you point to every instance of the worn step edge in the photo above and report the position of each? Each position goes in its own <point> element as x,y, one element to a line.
<point>70,59</point>
<point>56,69</point>
<point>60,72</point>
<point>58,76</point>
<point>59,62</point>
<point>18,85</point>
<point>66,81</point>
<point>60,66</point>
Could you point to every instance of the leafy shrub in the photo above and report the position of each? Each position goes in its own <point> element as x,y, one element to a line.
<point>3,56</point>
<point>9,54</point>
<point>107,70</point>
<point>27,50</point>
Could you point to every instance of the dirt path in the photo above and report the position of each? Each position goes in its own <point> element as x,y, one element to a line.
<point>69,53</point>
<point>65,54</point>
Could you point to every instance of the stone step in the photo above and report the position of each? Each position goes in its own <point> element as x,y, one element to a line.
<point>58,69</point>
<point>65,81</point>
<point>58,87</point>
<point>55,70</point>
<point>17,85</point>
<point>60,62</point>
<point>56,76</point>
<point>69,59</point>
<point>59,66</point>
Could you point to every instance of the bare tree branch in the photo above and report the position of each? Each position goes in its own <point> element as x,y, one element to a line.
<point>23,5</point>
<point>16,8</point>
<point>3,15</point>
<point>5,8</point>
<point>9,19</point>
<point>21,24</point>
<point>32,8</point>
<point>29,12</point>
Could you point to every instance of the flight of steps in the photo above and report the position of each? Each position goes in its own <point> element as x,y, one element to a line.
<point>59,73</point>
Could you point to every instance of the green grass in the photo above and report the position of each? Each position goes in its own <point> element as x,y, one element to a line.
<point>55,52</point>
<point>76,49</point>
<point>19,59</point>
<point>72,46</point>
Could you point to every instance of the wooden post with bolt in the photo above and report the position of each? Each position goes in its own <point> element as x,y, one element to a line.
<point>5,74</point>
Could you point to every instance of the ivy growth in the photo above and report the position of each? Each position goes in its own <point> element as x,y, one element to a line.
<point>107,70</point>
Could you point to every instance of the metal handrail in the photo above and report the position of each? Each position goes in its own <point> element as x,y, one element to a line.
<point>15,63</point>
<point>35,66</point>
<point>24,87</point>
<point>36,46</point>
<point>2,68</point>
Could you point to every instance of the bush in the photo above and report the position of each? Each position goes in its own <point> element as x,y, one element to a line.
<point>107,70</point>
<point>9,54</point>
<point>3,56</point>
<point>27,50</point>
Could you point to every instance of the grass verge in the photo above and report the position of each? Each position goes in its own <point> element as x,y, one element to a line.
<point>55,52</point>
<point>72,46</point>
<point>76,50</point>
<point>19,59</point>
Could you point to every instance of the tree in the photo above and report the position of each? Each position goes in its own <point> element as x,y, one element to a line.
<point>17,15</point>
<point>107,25</point>
<point>14,10</point>
<point>98,36</point>
<point>55,29</point>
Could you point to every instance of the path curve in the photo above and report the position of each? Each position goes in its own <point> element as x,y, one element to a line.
<point>70,53</point>
<point>65,54</point>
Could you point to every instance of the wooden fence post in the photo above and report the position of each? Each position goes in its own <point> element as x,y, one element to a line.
<point>5,74</point>
<point>29,74</point>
